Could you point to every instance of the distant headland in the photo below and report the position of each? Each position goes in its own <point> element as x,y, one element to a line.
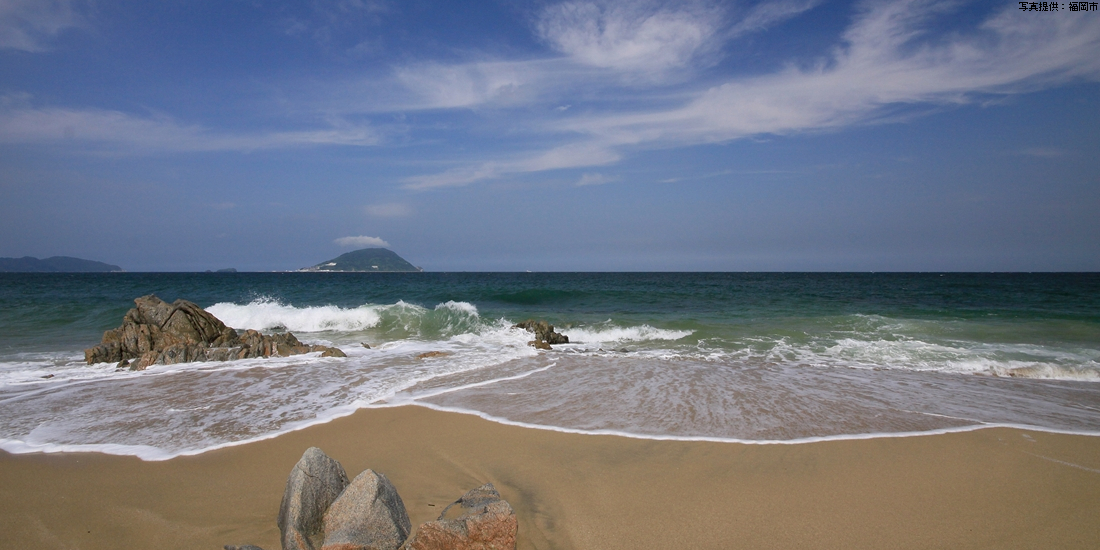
<point>374,260</point>
<point>55,264</point>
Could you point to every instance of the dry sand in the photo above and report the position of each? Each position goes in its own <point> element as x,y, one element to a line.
<point>993,488</point>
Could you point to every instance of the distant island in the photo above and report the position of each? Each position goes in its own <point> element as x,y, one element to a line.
<point>56,264</point>
<point>373,260</point>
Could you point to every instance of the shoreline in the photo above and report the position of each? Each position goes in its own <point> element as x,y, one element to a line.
<point>17,447</point>
<point>990,487</point>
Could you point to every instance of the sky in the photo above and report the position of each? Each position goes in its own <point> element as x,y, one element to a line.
<point>500,135</point>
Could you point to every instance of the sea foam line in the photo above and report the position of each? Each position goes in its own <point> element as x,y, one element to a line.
<point>397,400</point>
<point>711,439</point>
<point>149,453</point>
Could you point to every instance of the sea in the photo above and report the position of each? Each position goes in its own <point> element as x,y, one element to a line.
<point>761,358</point>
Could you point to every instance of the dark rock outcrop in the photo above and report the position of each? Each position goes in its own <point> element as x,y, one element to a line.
<point>156,332</point>
<point>369,515</point>
<point>486,522</point>
<point>544,333</point>
<point>315,482</point>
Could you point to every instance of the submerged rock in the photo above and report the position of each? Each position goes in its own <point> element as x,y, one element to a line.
<point>369,515</point>
<point>486,522</point>
<point>156,332</point>
<point>430,354</point>
<point>315,482</point>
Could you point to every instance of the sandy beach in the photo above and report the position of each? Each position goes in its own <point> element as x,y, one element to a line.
<point>991,488</point>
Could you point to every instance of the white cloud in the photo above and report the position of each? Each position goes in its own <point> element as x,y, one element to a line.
<point>766,14</point>
<point>881,65</point>
<point>574,155</point>
<point>889,58</point>
<point>118,130</point>
<point>361,240</point>
<point>30,25</point>
<point>440,86</point>
<point>388,210</point>
<point>632,37</point>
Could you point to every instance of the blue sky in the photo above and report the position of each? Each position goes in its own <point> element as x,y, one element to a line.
<point>788,135</point>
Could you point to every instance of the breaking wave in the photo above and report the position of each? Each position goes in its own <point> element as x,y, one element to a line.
<point>405,319</point>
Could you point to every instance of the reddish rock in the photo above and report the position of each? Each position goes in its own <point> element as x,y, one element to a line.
<point>485,522</point>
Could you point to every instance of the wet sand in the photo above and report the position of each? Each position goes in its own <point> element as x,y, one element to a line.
<point>992,488</point>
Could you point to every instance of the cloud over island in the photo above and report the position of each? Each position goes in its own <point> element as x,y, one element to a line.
<point>362,240</point>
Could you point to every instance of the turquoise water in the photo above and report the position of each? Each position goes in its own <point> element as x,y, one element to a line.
<point>766,357</point>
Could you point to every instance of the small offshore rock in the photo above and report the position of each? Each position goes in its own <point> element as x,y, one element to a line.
<point>365,345</point>
<point>242,547</point>
<point>327,351</point>
<point>543,331</point>
<point>314,484</point>
<point>487,523</point>
<point>48,376</point>
<point>369,515</point>
<point>539,344</point>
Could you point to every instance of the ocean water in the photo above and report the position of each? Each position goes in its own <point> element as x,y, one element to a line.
<point>750,357</point>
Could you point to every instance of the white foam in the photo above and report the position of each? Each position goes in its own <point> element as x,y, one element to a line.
<point>265,314</point>
<point>610,333</point>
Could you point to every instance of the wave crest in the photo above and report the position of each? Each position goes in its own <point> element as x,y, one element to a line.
<point>614,333</point>
<point>267,314</point>
<point>446,319</point>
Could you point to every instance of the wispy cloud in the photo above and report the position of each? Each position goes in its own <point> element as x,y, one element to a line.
<point>440,86</point>
<point>880,65</point>
<point>574,155</point>
<point>30,25</point>
<point>106,129</point>
<point>361,240</point>
<point>601,50</point>
<point>639,38</point>
<point>766,14</point>
<point>324,18</point>
<point>887,60</point>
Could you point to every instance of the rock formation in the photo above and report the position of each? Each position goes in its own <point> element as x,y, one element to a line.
<point>315,482</point>
<point>156,332</point>
<point>544,333</point>
<point>321,510</point>
<point>368,515</point>
<point>486,522</point>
